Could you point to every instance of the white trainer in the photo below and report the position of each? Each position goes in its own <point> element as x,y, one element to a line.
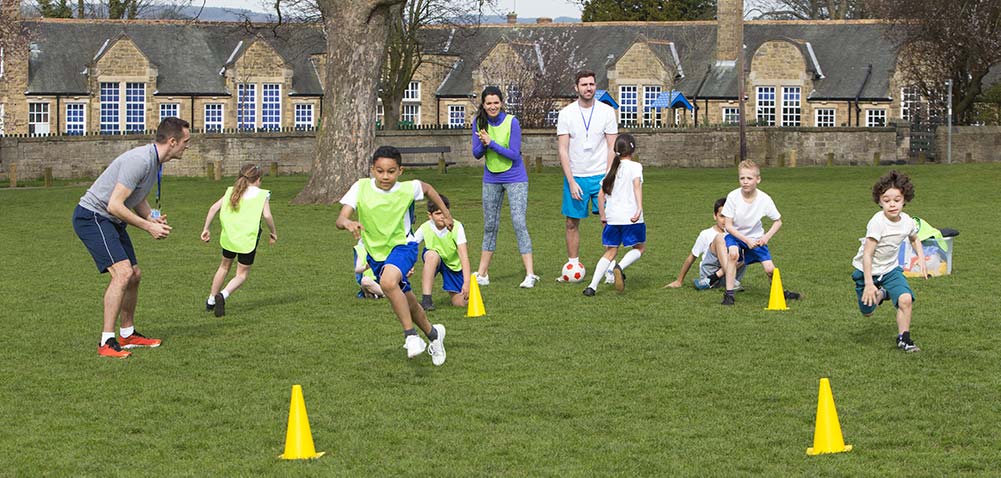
<point>437,347</point>
<point>482,280</point>
<point>610,274</point>
<point>414,345</point>
<point>529,281</point>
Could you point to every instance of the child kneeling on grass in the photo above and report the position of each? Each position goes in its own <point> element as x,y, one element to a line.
<point>711,246</point>
<point>385,223</point>
<point>445,253</point>
<point>877,276</point>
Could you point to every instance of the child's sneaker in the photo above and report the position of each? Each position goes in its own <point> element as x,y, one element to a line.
<point>112,349</point>
<point>482,280</point>
<point>790,295</point>
<point>702,283</point>
<point>414,345</point>
<point>208,306</point>
<point>427,305</point>
<point>620,278</point>
<point>139,340</point>
<point>437,347</point>
<point>529,281</point>
<point>905,343</point>
<point>220,305</point>
<point>609,275</point>
<point>727,299</point>
<point>589,292</point>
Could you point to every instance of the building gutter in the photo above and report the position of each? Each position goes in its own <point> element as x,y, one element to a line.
<point>858,96</point>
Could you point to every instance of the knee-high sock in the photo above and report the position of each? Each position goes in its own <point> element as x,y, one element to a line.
<point>599,272</point>
<point>632,256</point>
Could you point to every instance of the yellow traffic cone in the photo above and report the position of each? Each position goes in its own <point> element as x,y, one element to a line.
<point>475,307</point>
<point>298,439</point>
<point>827,434</point>
<point>777,298</point>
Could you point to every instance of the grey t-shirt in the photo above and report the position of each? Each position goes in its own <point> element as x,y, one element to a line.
<point>135,169</point>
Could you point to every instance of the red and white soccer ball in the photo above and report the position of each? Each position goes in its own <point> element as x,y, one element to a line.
<point>573,272</point>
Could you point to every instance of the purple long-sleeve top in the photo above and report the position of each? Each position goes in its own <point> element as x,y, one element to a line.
<point>516,174</point>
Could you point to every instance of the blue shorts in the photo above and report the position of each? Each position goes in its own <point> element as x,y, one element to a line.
<point>365,273</point>
<point>894,282</point>
<point>452,281</point>
<point>577,209</point>
<point>403,257</point>
<point>627,235</point>
<point>107,241</point>
<point>749,255</point>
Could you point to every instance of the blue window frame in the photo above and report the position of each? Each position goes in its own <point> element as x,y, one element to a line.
<point>271,106</point>
<point>246,107</point>
<point>135,106</point>
<point>110,96</point>
<point>75,118</point>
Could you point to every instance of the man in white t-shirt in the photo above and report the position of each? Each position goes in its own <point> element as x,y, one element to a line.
<point>586,130</point>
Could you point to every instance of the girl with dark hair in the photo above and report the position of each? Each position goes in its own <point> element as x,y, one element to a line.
<point>620,204</point>
<point>497,139</point>
<point>241,208</point>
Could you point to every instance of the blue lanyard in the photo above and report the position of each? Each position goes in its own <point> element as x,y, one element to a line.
<point>587,122</point>
<point>159,175</point>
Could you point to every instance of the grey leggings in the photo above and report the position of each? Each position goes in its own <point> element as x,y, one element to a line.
<point>517,199</point>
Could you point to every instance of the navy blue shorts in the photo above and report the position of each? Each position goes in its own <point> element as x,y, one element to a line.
<point>106,240</point>
<point>750,255</point>
<point>627,235</point>
<point>403,257</point>
<point>452,281</point>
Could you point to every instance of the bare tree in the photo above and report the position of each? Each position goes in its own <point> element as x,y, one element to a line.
<point>813,9</point>
<point>946,39</point>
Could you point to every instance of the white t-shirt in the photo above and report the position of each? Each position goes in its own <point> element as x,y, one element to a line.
<point>460,232</point>
<point>587,129</point>
<point>621,205</point>
<point>747,215</point>
<point>252,192</point>
<point>351,199</point>
<point>702,243</point>
<point>889,236</point>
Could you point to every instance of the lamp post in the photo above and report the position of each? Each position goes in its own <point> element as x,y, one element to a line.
<point>948,154</point>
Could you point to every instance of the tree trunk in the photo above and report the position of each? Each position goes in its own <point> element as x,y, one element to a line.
<point>391,109</point>
<point>356,47</point>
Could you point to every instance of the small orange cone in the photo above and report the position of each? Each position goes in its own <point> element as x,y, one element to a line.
<point>475,307</point>
<point>777,298</point>
<point>298,438</point>
<point>827,433</point>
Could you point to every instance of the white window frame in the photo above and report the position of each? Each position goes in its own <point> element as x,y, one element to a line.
<point>629,104</point>
<point>871,115</point>
<point>910,101</point>
<point>246,106</point>
<point>820,117</point>
<point>270,121</point>
<point>214,126</point>
<point>111,107</point>
<point>457,116</point>
<point>792,106</point>
<point>765,107</point>
<point>82,124</point>
<point>2,115</point>
<point>300,113</point>
<point>411,101</point>
<point>131,127</point>
<point>167,106</point>
<point>39,121</point>
<point>732,112</point>
<point>380,113</point>
<point>1,71</point>
<point>651,115</point>
<point>414,115</point>
<point>552,116</point>
<point>413,92</point>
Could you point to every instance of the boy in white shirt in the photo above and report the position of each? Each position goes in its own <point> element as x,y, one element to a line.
<point>711,246</point>
<point>746,237</point>
<point>445,253</point>
<point>877,276</point>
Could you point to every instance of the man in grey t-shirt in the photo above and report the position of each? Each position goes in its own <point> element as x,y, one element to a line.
<point>118,198</point>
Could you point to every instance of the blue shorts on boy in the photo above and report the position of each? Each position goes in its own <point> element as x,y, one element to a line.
<point>750,255</point>
<point>590,186</point>
<point>403,257</point>
<point>107,241</point>
<point>894,282</point>
<point>452,281</point>
<point>626,235</point>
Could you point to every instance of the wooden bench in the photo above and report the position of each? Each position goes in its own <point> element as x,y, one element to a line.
<point>441,150</point>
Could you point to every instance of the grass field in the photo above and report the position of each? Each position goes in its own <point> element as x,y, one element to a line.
<point>650,383</point>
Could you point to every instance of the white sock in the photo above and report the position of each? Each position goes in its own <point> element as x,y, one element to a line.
<point>611,265</point>
<point>211,300</point>
<point>225,294</point>
<point>105,336</point>
<point>126,331</point>
<point>573,260</point>
<point>632,256</point>
<point>599,272</point>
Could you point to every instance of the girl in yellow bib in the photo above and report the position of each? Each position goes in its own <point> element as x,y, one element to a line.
<point>240,211</point>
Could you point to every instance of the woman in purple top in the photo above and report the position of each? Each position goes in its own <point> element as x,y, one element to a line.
<point>497,139</point>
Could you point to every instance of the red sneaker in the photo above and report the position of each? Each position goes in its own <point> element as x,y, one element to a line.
<point>139,340</point>
<point>112,349</point>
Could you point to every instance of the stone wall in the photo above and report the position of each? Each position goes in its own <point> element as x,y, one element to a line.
<point>970,144</point>
<point>86,156</point>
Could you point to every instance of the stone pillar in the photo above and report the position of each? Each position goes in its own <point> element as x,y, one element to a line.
<point>729,14</point>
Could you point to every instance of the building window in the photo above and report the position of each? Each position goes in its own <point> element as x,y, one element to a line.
<point>380,113</point>
<point>628,104</point>
<point>213,117</point>
<point>271,106</point>
<point>135,106</point>
<point>552,116</point>
<point>170,110</point>
<point>76,119</point>
<point>411,113</point>
<point>514,99</point>
<point>791,106</point>
<point>766,105</point>
<point>456,116</point>
<point>825,118</point>
<point>875,118</point>
<point>304,116</point>
<point>246,106</point>
<point>2,115</point>
<point>651,115</point>
<point>109,107</point>
<point>731,115</point>
<point>413,91</point>
<point>910,102</point>
<point>1,69</point>
<point>38,118</point>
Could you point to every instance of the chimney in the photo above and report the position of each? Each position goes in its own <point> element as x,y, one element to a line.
<point>730,18</point>
<point>543,20</point>
<point>512,18</point>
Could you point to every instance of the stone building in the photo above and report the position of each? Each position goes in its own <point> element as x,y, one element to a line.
<point>110,76</point>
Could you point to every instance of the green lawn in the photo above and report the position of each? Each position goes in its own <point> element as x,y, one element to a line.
<point>650,383</point>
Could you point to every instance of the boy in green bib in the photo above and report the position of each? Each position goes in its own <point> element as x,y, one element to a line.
<point>445,253</point>
<point>385,225</point>
<point>240,211</point>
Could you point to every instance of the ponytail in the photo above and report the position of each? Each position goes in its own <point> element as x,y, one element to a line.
<point>481,114</point>
<point>249,174</point>
<point>625,145</point>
